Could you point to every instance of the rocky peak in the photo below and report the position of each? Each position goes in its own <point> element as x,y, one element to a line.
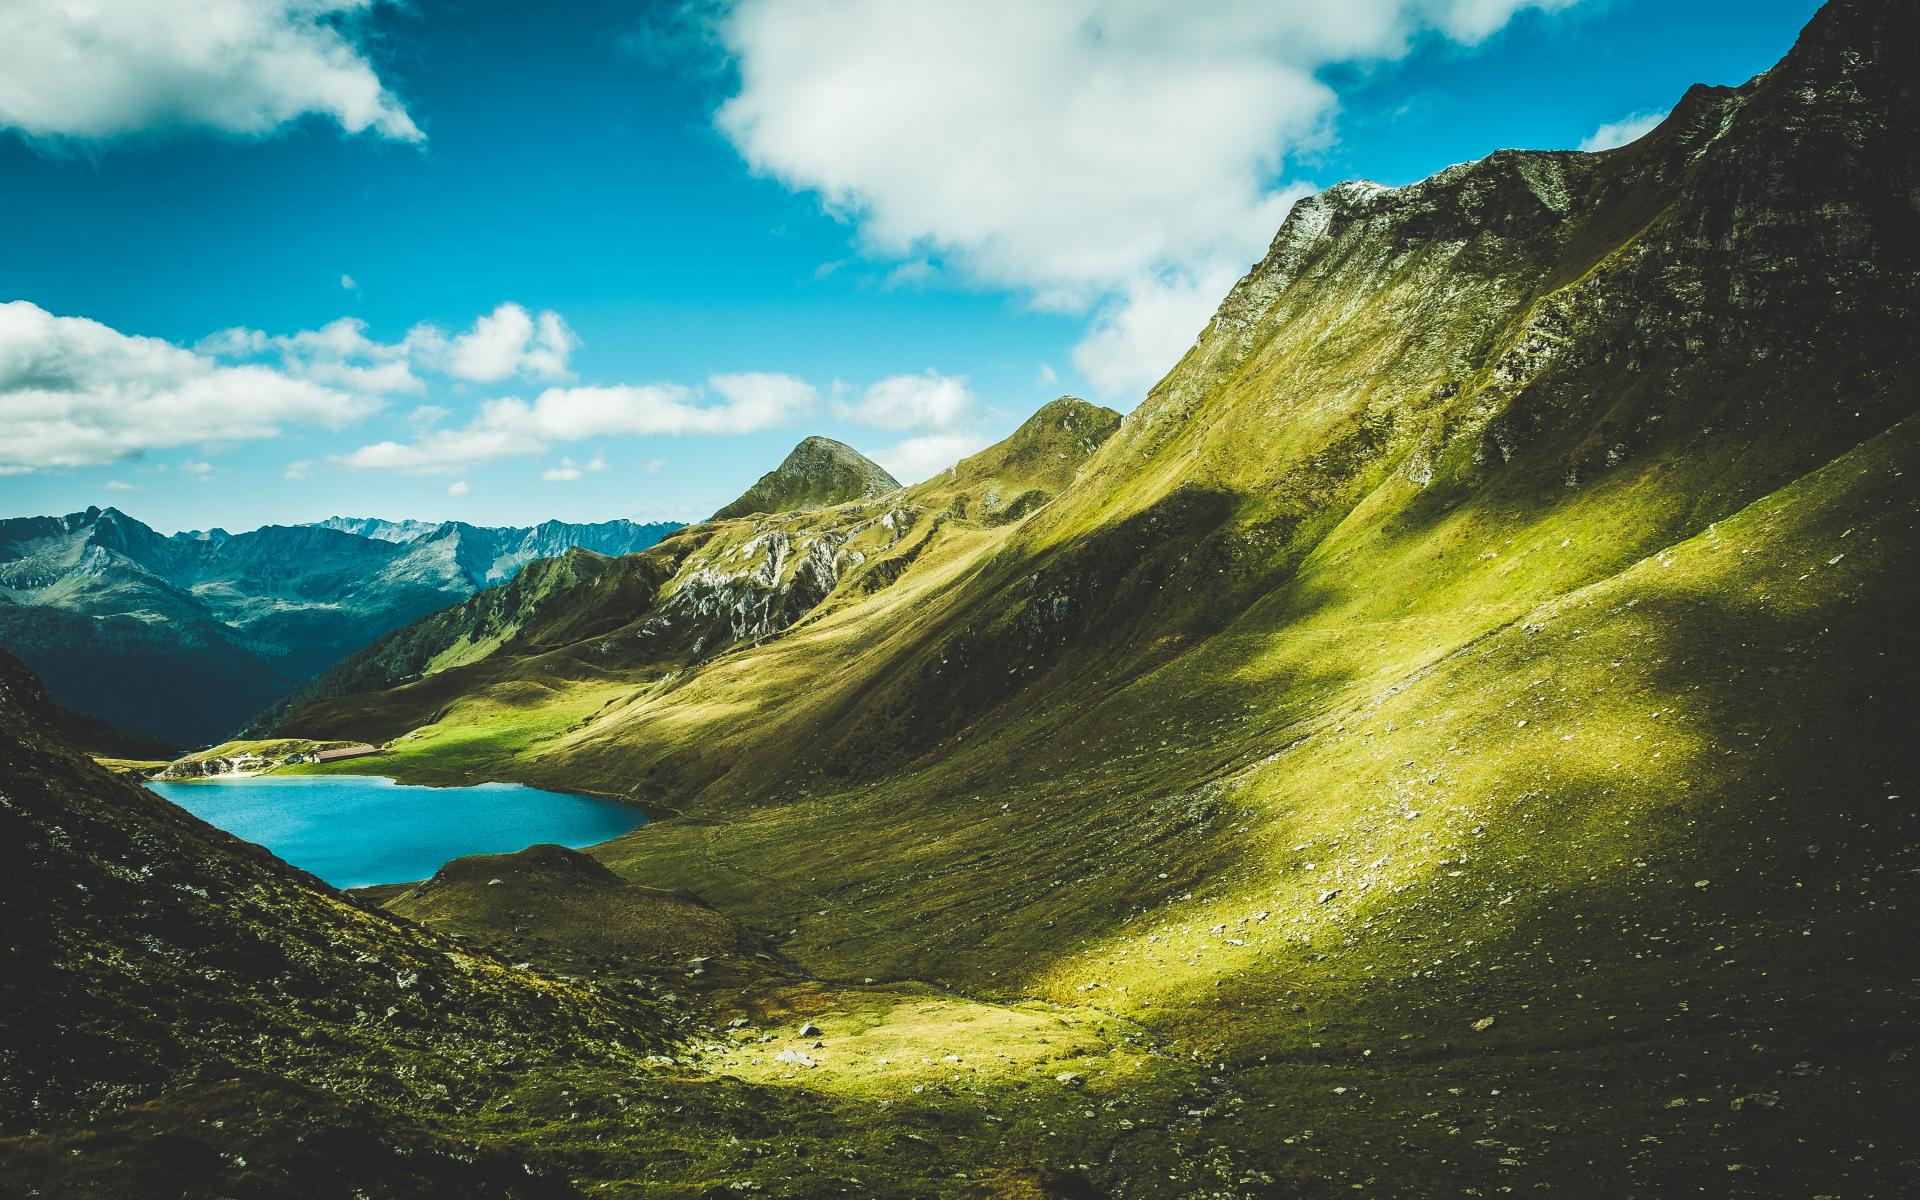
<point>818,473</point>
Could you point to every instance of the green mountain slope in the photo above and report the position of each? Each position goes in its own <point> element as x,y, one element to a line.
<point>1457,729</point>
<point>816,473</point>
<point>571,636</point>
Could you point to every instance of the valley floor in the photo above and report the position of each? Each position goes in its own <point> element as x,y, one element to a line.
<point>1559,908</point>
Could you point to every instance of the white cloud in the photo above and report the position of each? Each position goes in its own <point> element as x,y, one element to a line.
<point>939,407</point>
<point>510,427</point>
<point>459,488</point>
<point>119,485</point>
<point>926,401</point>
<point>508,342</point>
<point>348,282</point>
<point>910,274</point>
<point>1628,129</point>
<point>76,393</point>
<point>1089,153</point>
<point>199,472</point>
<point>303,469</point>
<point>923,457</point>
<point>568,470</point>
<point>106,68</point>
<point>748,403</point>
<point>442,452</point>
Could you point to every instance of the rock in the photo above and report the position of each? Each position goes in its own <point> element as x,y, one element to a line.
<point>1483,1024</point>
<point>495,882</point>
<point>798,1058</point>
<point>1070,1078</point>
<point>809,1030</point>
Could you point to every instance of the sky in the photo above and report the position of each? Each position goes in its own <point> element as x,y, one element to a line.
<point>274,260</point>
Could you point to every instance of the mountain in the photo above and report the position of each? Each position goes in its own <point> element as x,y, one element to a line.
<point>1460,720</point>
<point>492,554</point>
<point>184,637</point>
<point>698,593</point>
<point>377,528</point>
<point>187,1015</point>
<point>817,473</point>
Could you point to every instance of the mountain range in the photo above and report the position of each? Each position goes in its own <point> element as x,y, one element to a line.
<point>1454,737</point>
<point>186,636</point>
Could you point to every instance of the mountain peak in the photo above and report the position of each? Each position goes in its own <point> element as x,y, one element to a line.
<point>817,473</point>
<point>1042,455</point>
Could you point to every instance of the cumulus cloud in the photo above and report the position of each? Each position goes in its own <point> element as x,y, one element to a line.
<point>926,401</point>
<point>76,393</point>
<point>568,470</point>
<point>921,458</point>
<point>508,342</point>
<point>510,427</point>
<point>97,69</point>
<point>459,488</point>
<point>1098,155</point>
<point>1614,134</point>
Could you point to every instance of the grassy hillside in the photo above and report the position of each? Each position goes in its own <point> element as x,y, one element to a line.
<point>1453,738</point>
<point>817,473</point>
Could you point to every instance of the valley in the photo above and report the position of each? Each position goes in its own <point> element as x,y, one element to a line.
<point>1452,738</point>
<point>185,637</point>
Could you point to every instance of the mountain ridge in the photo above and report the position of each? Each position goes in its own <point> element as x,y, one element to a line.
<point>186,636</point>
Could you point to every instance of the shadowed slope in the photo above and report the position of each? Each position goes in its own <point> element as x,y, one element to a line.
<point>155,960</point>
<point>1463,706</point>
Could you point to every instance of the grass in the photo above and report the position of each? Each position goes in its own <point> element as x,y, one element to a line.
<point>1454,738</point>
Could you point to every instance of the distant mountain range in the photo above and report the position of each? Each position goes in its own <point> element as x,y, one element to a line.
<point>185,636</point>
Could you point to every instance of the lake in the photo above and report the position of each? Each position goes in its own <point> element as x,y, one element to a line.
<point>355,830</point>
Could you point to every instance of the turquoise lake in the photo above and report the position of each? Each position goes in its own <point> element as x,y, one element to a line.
<point>355,830</point>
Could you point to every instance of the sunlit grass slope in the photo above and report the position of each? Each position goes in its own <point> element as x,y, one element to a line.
<point>1461,723</point>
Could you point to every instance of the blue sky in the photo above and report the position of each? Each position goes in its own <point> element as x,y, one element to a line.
<point>718,227</point>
